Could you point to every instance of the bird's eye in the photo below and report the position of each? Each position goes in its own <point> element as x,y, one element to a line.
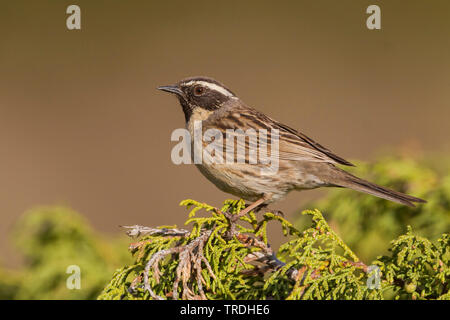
<point>199,90</point>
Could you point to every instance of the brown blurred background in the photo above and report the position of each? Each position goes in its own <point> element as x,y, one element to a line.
<point>82,124</point>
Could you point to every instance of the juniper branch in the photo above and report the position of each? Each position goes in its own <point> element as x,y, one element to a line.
<point>221,258</point>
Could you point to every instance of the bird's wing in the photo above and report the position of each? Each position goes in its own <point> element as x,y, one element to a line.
<point>293,145</point>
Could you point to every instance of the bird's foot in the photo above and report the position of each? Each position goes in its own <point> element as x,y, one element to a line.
<point>278,213</point>
<point>229,216</point>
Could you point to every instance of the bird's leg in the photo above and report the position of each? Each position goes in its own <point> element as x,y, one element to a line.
<point>233,218</point>
<point>264,205</point>
<point>250,208</point>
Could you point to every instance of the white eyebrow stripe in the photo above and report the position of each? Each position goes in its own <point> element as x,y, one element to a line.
<point>212,86</point>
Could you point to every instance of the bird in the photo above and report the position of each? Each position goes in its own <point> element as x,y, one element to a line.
<point>302,163</point>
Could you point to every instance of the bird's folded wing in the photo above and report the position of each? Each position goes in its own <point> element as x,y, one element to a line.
<point>296,143</point>
<point>293,145</point>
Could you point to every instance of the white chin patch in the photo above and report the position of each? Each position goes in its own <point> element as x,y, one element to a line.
<point>211,86</point>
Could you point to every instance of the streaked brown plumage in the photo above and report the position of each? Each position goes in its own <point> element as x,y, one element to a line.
<point>303,163</point>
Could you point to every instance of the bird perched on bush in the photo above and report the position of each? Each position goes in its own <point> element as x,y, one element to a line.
<point>302,162</point>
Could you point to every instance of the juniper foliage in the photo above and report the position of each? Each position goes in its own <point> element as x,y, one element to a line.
<point>210,262</point>
<point>51,238</point>
<point>367,224</point>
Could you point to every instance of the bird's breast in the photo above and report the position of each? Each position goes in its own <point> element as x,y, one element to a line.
<point>198,115</point>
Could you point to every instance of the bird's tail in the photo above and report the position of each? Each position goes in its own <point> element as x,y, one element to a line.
<point>348,180</point>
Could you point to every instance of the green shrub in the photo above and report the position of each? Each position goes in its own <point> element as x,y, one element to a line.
<point>211,261</point>
<point>367,223</point>
<point>51,239</point>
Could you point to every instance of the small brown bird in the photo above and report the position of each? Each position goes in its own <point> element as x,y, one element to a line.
<point>303,163</point>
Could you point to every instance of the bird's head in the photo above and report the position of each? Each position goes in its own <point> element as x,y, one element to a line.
<point>199,92</point>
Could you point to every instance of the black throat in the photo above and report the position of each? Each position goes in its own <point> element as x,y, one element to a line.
<point>187,110</point>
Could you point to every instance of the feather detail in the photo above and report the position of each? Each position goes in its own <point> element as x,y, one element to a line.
<point>293,145</point>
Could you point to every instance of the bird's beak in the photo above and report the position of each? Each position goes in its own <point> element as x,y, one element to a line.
<point>171,89</point>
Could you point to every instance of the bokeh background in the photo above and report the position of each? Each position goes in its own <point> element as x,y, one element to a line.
<point>82,124</point>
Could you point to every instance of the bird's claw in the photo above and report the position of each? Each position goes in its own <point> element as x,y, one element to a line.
<point>278,213</point>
